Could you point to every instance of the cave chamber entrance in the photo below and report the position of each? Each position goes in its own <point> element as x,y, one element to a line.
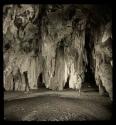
<point>40,83</point>
<point>67,83</point>
<point>89,45</point>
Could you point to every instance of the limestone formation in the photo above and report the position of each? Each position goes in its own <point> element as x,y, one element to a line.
<point>47,44</point>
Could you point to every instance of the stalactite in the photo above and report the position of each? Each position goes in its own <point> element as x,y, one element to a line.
<point>52,40</point>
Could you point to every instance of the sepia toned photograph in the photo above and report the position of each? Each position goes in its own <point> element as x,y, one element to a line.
<point>57,62</point>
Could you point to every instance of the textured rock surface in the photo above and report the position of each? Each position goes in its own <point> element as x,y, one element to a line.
<point>103,69</point>
<point>49,41</point>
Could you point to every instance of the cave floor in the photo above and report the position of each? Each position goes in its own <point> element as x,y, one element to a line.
<point>48,105</point>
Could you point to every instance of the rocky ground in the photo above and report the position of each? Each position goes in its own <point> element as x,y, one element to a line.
<point>47,105</point>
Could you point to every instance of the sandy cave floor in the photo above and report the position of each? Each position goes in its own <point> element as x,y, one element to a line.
<point>48,105</point>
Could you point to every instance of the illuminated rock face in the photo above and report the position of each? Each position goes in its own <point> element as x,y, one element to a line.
<point>46,45</point>
<point>103,69</point>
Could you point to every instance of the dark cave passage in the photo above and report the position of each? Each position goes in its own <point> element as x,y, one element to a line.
<point>89,77</point>
<point>89,45</point>
<point>67,83</point>
<point>40,83</point>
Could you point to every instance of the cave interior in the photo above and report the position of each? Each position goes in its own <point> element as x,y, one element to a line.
<point>57,47</point>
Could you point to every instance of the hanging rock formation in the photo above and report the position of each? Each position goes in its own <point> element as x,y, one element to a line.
<point>103,69</point>
<point>49,41</point>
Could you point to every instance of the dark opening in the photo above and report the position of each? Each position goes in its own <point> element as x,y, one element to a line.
<point>40,83</point>
<point>27,87</point>
<point>67,83</point>
<point>13,81</point>
<point>7,46</point>
<point>89,77</point>
<point>89,44</point>
<point>13,84</point>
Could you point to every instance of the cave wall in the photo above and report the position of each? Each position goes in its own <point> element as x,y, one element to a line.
<point>103,60</point>
<point>50,40</point>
